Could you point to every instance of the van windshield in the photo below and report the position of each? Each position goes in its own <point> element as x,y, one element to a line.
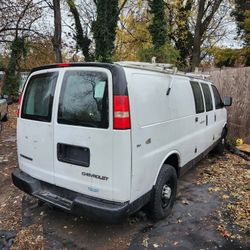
<point>38,98</point>
<point>84,99</point>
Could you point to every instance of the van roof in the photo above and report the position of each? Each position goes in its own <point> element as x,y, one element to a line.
<point>78,64</point>
<point>116,67</point>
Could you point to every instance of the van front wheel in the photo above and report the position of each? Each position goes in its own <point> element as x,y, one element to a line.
<point>219,149</point>
<point>164,193</point>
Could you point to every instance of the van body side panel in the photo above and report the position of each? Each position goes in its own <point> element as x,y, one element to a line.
<point>160,124</point>
<point>221,119</point>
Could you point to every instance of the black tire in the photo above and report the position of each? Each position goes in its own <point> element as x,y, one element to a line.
<point>40,203</point>
<point>220,147</point>
<point>1,126</point>
<point>162,199</point>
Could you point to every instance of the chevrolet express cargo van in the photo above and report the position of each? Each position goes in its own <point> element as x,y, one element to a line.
<point>105,140</point>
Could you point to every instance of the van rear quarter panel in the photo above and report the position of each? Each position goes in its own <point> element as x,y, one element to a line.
<point>161,124</point>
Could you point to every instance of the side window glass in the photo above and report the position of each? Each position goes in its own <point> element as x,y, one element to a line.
<point>199,104</point>
<point>208,96</point>
<point>217,98</point>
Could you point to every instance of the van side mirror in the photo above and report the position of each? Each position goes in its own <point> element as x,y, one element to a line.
<point>227,101</point>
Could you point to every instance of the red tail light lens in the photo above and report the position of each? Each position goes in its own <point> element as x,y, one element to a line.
<point>62,65</point>
<point>19,104</point>
<point>121,112</point>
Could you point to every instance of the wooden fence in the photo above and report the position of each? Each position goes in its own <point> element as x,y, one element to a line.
<point>235,82</point>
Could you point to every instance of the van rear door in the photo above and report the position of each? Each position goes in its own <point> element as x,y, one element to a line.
<point>83,132</point>
<point>35,126</point>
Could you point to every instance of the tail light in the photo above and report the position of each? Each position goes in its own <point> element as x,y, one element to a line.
<point>19,104</point>
<point>121,112</point>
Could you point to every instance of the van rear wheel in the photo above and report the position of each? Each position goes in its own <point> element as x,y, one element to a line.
<point>164,193</point>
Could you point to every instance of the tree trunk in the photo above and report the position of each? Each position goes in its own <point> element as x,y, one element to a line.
<point>206,12</point>
<point>57,39</point>
<point>196,52</point>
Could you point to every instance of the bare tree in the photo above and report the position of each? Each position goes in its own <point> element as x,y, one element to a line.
<point>205,14</point>
<point>17,23</point>
<point>18,18</point>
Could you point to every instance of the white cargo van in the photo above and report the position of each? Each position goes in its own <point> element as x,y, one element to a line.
<point>105,140</point>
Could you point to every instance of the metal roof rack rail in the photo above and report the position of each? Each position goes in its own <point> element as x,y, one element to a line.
<point>203,76</point>
<point>159,67</point>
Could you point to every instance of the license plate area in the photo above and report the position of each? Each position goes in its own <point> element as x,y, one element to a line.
<point>73,154</point>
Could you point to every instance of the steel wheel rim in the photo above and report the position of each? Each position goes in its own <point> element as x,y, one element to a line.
<point>166,194</point>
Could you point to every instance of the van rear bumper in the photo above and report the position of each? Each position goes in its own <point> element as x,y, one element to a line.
<point>71,201</point>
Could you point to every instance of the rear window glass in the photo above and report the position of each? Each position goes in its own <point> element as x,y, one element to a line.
<point>208,96</point>
<point>84,99</point>
<point>199,104</point>
<point>38,98</point>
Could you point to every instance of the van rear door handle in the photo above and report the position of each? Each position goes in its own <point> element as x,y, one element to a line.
<point>196,119</point>
<point>215,118</point>
<point>206,120</point>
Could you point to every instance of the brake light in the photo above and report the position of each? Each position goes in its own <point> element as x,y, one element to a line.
<point>121,112</point>
<point>19,104</point>
<point>62,65</point>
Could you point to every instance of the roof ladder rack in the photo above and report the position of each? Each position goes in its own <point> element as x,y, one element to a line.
<point>163,68</point>
<point>159,67</point>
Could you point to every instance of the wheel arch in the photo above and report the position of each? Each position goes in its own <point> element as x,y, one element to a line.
<point>173,159</point>
<point>225,129</point>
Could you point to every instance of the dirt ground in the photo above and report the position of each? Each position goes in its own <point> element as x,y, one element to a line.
<point>211,212</point>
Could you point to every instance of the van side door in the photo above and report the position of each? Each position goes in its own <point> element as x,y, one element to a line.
<point>220,114</point>
<point>209,114</point>
<point>199,119</point>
